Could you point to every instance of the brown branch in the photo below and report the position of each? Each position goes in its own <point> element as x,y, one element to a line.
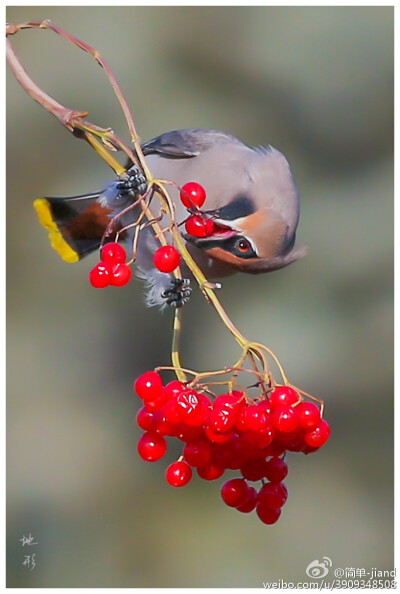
<point>72,119</point>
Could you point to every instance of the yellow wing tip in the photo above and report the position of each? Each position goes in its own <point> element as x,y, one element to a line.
<point>57,241</point>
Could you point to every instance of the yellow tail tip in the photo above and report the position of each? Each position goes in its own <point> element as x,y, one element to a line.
<point>57,241</point>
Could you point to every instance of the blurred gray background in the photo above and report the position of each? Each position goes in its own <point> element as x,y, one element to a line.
<point>316,83</point>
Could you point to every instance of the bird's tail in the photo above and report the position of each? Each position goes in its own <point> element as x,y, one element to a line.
<point>75,224</point>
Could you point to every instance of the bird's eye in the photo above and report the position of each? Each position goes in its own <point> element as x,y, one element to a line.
<point>243,245</point>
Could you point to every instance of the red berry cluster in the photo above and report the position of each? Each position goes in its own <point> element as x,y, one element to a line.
<point>231,432</point>
<point>111,270</point>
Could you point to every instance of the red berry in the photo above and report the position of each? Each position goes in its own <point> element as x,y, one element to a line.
<point>215,437</point>
<point>100,275</point>
<point>120,275</point>
<point>171,411</point>
<point>161,425</point>
<point>113,252</point>
<point>265,404</point>
<point>250,503</point>
<point>283,396</point>
<point>188,403</point>
<point>272,495</point>
<point>200,415</point>
<point>199,226</point>
<point>318,436</point>
<point>276,470</point>
<point>253,469</point>
<point>232,401</point>
<point>255,418</point>
<point>189,433</point>
<point>235,492</point>
<point>173,388</point>
<point>148,385</point>
<point>227,453</point>
<point>178,473</point>
<point>309,415</point>
<point>166,258</point>
<point>240,418</point>
<point>276,449</point>
<point>144,419</point>
<point>221,420</point>
<point>285,419</point>
<point>153,404</point>
<point>193,195</point>
<point>211,471</point>
<point>197,453</point>
<point>260,439</point>
<point>151,447</point>
<point>266,515</point>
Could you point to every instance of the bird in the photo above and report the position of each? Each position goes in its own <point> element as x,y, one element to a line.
<point>252,200</point>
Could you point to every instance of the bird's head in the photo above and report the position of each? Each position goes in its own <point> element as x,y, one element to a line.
<point>255,230</point>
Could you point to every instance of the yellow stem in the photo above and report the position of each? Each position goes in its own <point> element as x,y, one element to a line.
<point>176,361</point>
<point>104,153</point>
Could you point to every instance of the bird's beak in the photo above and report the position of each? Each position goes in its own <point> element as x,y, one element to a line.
<point>223,229</point>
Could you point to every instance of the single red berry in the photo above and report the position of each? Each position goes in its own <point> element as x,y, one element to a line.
<point>242,450</point>
<point>227,453</point>
<point>188,433</point>
<point>283,396</point>
<point>144,419</point>
<point>266,515</point>
<point>151,447</point>
<point>240,418</point>
<point>155,403</point>
<point>260,439</point>
<point>265,405</point>
<point>178,473</point>
<point>173,388</point>
<point>253,469</point>
<point>166,258</point>
<point>255,418</point>
<point>318,436</point>
<point>113,252</point>
<point>193,195</point>
<point>276,449</point>
<point>199,226</point>
<point>200,415</point>
<point>215,437</point>
<point>276,470</point>
<point>250,502</point>
<point>292,440</point>
<point>148,385</point>
<point>188,403</point>
<point>309,415</point>
<point>171,411</point>
<point>211,471</point>
<point>221,420</point>
<point>100,275</point>
<point>232,401</point>
<point>272,495</point>
<point>161,425</point>
<point>235,492</point>
<point>120,275</point>
<point>285,419</point>
<point>197,453</point>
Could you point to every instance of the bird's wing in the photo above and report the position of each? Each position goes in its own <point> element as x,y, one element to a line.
<point>186,143</point>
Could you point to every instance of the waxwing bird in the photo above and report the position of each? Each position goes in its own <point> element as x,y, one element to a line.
<point>251,199</point>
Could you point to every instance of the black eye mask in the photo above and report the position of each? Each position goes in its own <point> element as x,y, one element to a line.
<point>240,207</point>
